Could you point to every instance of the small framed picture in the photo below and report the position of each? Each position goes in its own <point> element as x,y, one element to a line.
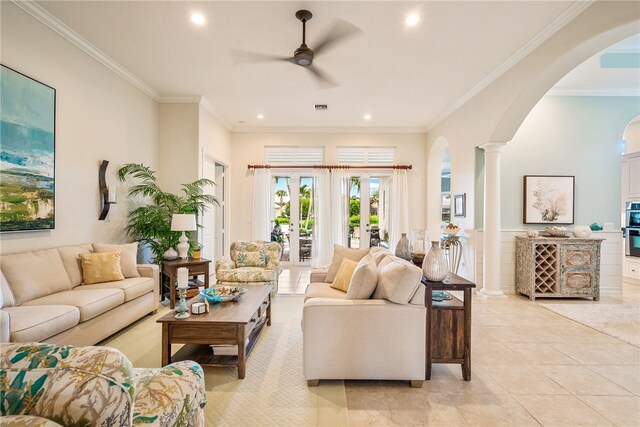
<point>548,199</point>
<point>459,205</point>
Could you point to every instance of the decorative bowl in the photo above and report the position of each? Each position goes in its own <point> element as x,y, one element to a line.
<point>556,231</point>
<point>222,293</point>
<point>451,229</point>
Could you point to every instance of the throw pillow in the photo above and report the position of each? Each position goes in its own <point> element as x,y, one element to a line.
<point>343,277</point>
<point>378,254</point>
<point>398,280</point>
<point>128,256</point>
<point>364,279</point>
<point>101,267</point>
<point>340,252</point>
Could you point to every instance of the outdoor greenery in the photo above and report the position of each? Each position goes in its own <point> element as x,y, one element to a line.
<point>151,224</point>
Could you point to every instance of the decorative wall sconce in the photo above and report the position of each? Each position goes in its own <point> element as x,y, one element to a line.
<point>107,193</point>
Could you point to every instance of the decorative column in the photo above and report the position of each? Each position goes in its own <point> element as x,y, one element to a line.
<point>492,223</point>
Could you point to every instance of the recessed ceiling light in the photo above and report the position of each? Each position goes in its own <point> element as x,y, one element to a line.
<point>260,116</point>
<point>412,19</point>
<point>367,117</point>
<point>197,18</point>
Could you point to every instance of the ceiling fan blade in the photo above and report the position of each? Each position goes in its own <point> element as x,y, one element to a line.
<point>340,31</point>
<point>244,57</point>
<point>324,80</point>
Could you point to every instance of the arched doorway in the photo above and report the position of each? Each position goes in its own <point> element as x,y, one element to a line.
<point>438,165</point>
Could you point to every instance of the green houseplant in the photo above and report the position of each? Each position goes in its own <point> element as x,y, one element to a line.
<point>150,224</point>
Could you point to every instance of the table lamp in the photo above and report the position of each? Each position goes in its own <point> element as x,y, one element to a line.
<point>183,222</point>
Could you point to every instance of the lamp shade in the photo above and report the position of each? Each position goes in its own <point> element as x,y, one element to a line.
<point>183,222</point>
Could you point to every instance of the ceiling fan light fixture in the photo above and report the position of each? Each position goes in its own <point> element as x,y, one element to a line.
<point>303,56</point>
<point>412,19</point>
<point>198,18</point>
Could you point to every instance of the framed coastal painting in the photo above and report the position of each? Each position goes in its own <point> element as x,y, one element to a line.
<point>27,156</point>
<point>548,199</point>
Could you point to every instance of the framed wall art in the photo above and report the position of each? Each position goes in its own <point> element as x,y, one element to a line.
<point>459,205</point>
<point>27,130</point>
<point>548,199</point>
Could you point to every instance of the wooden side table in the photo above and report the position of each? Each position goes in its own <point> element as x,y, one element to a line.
<point>197,267</point>
<point>448,325</point>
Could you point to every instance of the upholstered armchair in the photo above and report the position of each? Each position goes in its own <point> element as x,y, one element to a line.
<point>45,384</point>
<point>251,263</point>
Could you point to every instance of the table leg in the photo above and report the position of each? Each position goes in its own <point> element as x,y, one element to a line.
<point>242,353</point>
<point>466,366</point>
<point>166,345</point>
<point>172,290</point>
<point>428,301</point>
<point>269,310</point>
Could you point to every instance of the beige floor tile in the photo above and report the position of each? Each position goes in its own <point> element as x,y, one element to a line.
<point>520,379</point>
<point>620,410</point>
<point>492,410</point>
<point>582,380</point>
<point>601,354</point>
<point>332,405</point>
<point>539,354</point>
<point>370,397</point>
<point>450,378</point>
<point>494,353</point>
<point>627,377</point>
<point>370,418</point>
<point>437,410</point>
<point>404,388</point>
<point>561,411</point>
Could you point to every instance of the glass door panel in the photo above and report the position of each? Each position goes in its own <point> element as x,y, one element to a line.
<point>282,214</point>
<point>306,216</point>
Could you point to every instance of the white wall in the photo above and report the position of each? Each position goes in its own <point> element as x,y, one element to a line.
<point>99,116</point>
<point>570,135</point>
<point>214,138</point>
<point>632,137</point>
<point>248,148</point>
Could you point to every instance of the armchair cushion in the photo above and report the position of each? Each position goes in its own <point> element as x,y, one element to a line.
<point>246,274</point>
<point>224,264</point>
<point>254,254</point>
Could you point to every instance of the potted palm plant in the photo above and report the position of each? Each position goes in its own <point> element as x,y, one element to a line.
<point>150,224</point>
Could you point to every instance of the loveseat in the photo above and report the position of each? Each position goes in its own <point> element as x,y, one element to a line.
<point>45,384</point>
<point>377,333</point>
<point>43,298</point>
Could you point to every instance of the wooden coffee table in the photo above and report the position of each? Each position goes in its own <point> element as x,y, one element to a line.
<point>227,323</point>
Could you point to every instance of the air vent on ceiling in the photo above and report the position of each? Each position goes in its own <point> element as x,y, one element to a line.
<point>320,107</point>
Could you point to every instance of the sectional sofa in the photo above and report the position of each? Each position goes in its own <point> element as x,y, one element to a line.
<point>42,298</point>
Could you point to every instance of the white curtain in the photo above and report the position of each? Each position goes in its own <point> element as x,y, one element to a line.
<point>339,207</point>
<point>399,207</point>
<point>322,243</point>
<point>262,204</point>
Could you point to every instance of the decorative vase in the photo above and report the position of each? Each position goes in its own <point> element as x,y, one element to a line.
<point>402,248</point>
<point>434,266</point>
<point>582,231</point>
<point>170,254</point>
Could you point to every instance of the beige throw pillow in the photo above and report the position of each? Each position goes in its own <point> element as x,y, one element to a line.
<point>340,252</point>
<point>364,279</point>
<point>128,256</point>
<point>101,267</point>
<point>398,280</point>
<point>343,277</point>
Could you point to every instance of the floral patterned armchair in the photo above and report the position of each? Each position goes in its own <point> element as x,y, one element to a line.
<point>252,263</point>
<point>45,384</point>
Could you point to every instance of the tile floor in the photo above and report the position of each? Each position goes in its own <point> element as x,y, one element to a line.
<point>530,366</point>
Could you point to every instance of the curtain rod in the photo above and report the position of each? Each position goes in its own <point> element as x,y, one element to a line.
<point>328,167</point>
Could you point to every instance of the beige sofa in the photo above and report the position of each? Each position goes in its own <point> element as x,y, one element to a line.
<point>42,298</point>
<point>381,338</point>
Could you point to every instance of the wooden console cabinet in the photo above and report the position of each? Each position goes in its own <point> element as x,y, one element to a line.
<point>558,267</point>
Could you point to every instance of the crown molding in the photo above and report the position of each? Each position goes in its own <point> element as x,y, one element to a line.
<point>56,25</point>
<point>311,129</point>
<point>560,21</point>
<point>593,92</point>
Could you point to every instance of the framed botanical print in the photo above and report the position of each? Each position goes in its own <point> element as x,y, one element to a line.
<point>548,199</point>
<point>459,205</point>
<point>27,177</point>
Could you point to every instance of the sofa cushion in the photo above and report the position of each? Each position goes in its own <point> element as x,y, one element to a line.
<point>72,263</point>
<point>322,290</point>
<point>379,255</point>
<point>128,256</point>
<point>39,322</point>
<point>100,268</point>
<point>90,302</point>
<point>398,280</point>
<point>247,274</point>
<point>34,274</point>
<point>364,279</point>
<point>132,287</point>
<point>7,299</point>
<point>340,252</point>
<point>344,274</point>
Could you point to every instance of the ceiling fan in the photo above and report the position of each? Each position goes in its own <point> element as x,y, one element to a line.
<point>304,55</point>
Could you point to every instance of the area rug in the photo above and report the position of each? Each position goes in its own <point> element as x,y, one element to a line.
<point>618,320</point>
<point>274,391</point>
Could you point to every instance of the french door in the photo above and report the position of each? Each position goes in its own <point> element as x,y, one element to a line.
<point>368,210</point>
<point>295,205</point>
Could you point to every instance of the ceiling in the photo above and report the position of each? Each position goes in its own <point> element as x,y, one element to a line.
<point>404,78</point>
